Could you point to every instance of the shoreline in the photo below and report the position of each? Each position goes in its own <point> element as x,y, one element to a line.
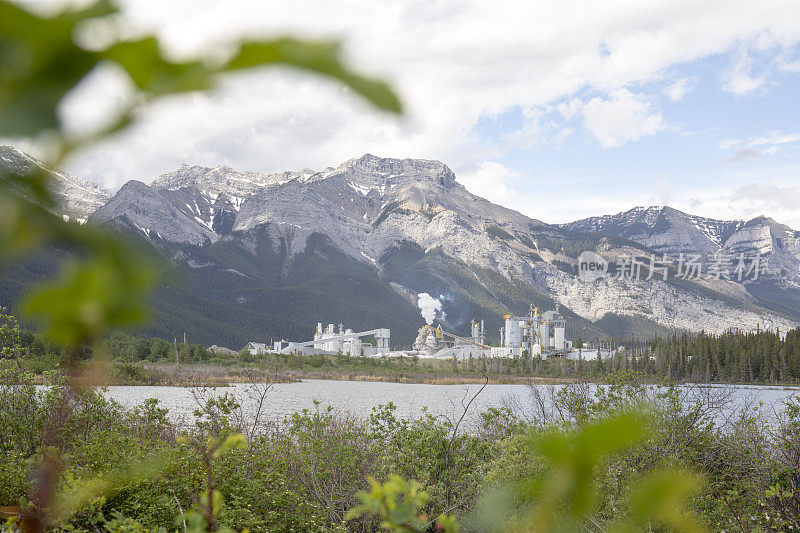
<point>205,376</point>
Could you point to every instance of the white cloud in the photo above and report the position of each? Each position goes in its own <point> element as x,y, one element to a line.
<point>741,156</point>
<point>739,79</point>
<point>623,117</point>
<point>741,84</point>
<point>764,145</point>
<point>678,89</point>
<point>664,189</point>
<point>556,201</point>
<point>536,129</point>
<point>737,202</point>
<point>733,194</point>
<point>82,112</point>
<point>452,62</point>
<point>570,108</point>
<point>497,183</point>
<point>777,200</point>
<point>770,194</point>
<point>727,144</point>
<point>775,138</point>
<point>532,132</point>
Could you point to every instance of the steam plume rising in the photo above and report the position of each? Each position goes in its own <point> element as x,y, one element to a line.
<point>428,306</point>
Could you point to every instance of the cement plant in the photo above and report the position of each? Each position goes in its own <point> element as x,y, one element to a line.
<point>536,334</point>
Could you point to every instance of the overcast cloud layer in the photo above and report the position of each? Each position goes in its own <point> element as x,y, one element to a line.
<point>560,110</point>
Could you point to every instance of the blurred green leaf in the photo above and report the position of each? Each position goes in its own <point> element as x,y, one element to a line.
<point>103,290</point>
<point>397,503</point>
<point>40,64</point>
<point>660,498</point>
<point>81,492</point>
<point>322,57</point>
<point>33,186</point>
<point>235,441</point>
<point>24,219</point>
<point>574,457</point>
<point>143,61</point>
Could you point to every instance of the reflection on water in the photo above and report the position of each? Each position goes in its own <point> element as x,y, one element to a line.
<point>359,397</point>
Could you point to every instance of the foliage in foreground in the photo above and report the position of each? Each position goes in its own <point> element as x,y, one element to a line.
<point>77,461</point>
<point>44,57</point>
<point>611,459</point>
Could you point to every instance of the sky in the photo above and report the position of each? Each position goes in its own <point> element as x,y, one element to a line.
<point>561,110</point>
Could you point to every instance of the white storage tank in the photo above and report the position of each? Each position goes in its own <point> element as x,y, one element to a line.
<point>431,340</point>
<point>513,332</point>
<point>544,334</point>
<point>558,338</point>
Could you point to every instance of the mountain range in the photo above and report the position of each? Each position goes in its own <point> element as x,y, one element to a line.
<point>267,256</point>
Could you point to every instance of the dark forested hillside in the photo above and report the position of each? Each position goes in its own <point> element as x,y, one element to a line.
<point>228,296</point>
<point>248,289</point>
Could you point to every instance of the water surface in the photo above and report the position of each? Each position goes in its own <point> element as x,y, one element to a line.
<point>411,399</point>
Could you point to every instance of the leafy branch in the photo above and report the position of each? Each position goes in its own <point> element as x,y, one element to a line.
<point>107,283</point>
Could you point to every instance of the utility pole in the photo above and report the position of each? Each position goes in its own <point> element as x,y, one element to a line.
<point>176,351</point>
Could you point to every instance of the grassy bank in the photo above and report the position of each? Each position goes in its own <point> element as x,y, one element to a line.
<point>224,370</point>
<point>219,375</point>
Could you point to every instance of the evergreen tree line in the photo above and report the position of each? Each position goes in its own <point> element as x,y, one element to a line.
<point>733,356</point>
<point>742,356</point>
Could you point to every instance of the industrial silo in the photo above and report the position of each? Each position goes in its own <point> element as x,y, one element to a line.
<point>559,342</point>
<point>544,334</point>
<point>513,333</point>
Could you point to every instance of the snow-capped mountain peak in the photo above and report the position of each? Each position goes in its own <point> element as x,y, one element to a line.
<point>379,171</point>
<point>75,198</point>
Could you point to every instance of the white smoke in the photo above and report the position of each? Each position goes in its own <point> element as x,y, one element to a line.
<point>428,306</point>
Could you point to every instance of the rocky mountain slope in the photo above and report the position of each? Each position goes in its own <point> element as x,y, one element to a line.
<point>667,230</point>
<point>76,198</point>
<point>663,229</point>
<point>269,255</point>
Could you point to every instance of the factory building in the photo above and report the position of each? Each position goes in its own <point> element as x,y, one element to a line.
<point>436,342</point>
<point>331,339</point>
<point>256,348</point>
<point>537,334</point>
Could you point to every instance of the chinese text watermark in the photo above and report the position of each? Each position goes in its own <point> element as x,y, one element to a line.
<point>686,266</point>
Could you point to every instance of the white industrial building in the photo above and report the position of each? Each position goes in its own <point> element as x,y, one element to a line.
<point>438,343</point>
<point>346,341</point>
<point>538,335</point>
<point>256,348</point>
<point>331,340</point>
<point>542,335</point>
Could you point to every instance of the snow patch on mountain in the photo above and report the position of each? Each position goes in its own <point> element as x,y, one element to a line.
<point>75,198</point>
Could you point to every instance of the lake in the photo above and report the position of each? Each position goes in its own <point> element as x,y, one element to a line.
<point>411,400</point>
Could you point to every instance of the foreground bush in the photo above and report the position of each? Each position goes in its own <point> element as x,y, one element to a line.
<point>596,458</point>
